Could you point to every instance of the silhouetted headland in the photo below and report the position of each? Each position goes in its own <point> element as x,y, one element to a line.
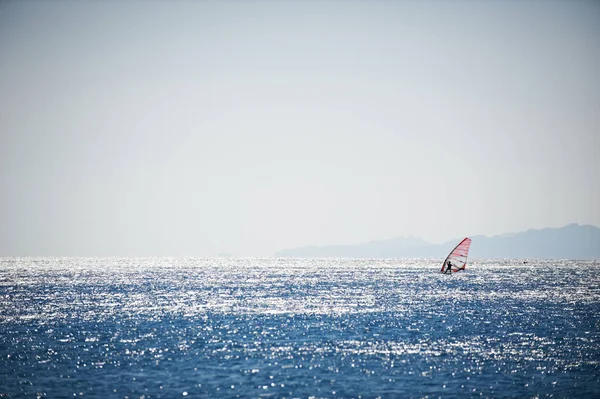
<point>573,241</point>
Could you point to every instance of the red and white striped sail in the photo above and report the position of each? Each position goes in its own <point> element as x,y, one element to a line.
<point>458,256</point>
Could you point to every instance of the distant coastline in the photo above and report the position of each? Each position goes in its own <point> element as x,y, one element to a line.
<point>573,241</point>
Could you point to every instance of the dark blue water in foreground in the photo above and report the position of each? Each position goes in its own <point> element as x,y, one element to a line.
<point>150,328</point>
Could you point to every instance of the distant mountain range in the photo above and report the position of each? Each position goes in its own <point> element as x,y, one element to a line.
<point>569,242</point>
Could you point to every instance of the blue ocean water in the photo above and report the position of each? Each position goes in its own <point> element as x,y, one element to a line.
<point>297,328</point>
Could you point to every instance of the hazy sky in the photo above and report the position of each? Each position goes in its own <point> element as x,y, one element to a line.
<point>246,127</point>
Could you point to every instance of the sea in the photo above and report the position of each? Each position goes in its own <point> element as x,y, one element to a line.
<point>298,328</point>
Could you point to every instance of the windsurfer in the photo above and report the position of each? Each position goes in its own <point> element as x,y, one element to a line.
<point>449,268</point>
<point>457,259</point>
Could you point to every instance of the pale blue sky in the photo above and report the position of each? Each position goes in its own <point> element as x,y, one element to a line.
<point>197,128</point>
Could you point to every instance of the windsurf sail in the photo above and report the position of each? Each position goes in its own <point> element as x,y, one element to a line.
<point>458,256</point>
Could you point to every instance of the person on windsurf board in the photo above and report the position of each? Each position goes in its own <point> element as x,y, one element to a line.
<point>457,258</point>
<point>448,268</point>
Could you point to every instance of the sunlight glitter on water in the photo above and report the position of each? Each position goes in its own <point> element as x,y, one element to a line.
<point>297,328</point>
